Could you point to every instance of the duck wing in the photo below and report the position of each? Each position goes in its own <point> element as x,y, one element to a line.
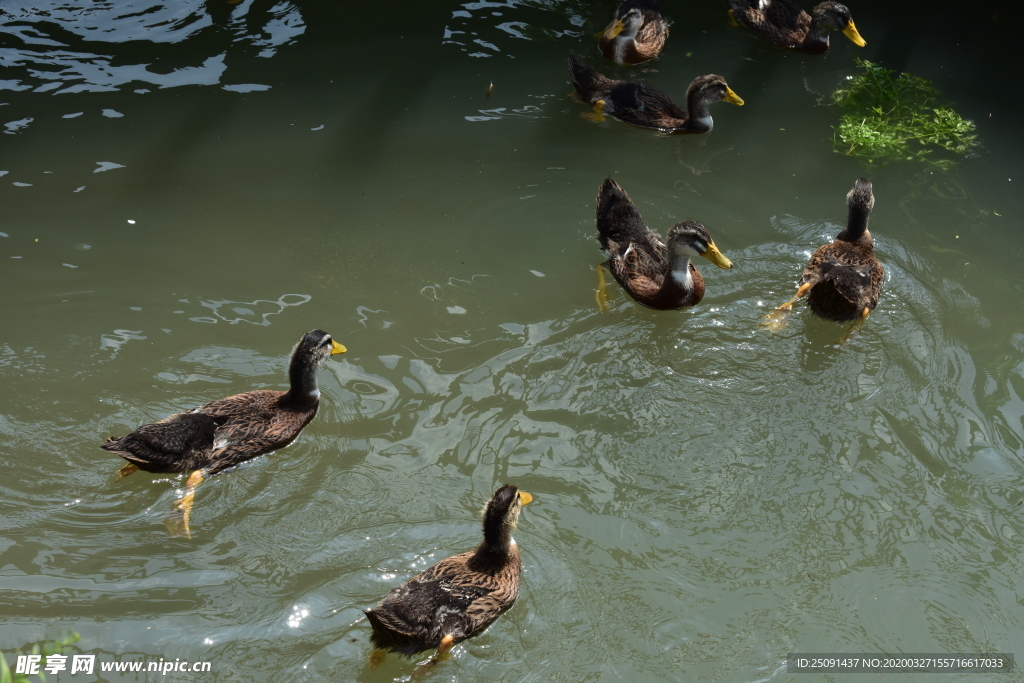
<point>845,279</point>
<point>449,598</point>
<point>646,107</point>
<point>174,444</point>
<point>257,423</point>
<point>619,225</point>
<point>783,22</point>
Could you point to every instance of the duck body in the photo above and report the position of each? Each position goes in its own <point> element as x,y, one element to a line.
<point>454,597</point>
<point>637,34</point>
<point>843,280</point>
<point>229,431</point>
<point>656,274</point>
<point>787,25</point>
<point>646,107</point>
<point>460,595</point>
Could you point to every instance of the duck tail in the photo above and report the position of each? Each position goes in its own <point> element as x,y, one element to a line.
<point>587,81</point>
<point>112,444</point>
<point>392,636</point>
<point>835,295</point>
<point>618,222</point>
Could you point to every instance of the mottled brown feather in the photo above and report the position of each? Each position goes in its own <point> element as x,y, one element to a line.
<point>450,598</point>
<point>177,443</point>
<point>845,279</point>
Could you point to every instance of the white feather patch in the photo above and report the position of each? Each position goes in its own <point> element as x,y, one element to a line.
<point>683,277</point>
<point>620,51</point>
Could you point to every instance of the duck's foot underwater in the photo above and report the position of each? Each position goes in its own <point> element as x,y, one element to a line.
<point>598,115</point>
<point>601,293</point>
<point>377,657</point>
<point>179,526</point>
<point>849,334</point>
<point>443,650</point>
<point>126,470</point>
<point>777,319</point>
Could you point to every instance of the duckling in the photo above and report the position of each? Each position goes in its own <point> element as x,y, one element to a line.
<point>637,34</point>
<point>842,280</point>
<point>783,23</point>
<point>646,107</point>
<point>229,431</point>
<point>459,596</point>
<point>655,274</point>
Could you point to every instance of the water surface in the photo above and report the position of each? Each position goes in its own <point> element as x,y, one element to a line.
<point>190,187</point>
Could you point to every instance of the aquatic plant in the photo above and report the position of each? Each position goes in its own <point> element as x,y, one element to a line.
<point>57,646</point>
<point>891,116</point>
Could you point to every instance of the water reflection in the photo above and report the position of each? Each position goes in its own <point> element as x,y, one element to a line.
<point>53,46</point>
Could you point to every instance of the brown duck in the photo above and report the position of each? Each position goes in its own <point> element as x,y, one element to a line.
<point>655,273</point>
<point>637,34</point>
<point>459,596</point>
<point>637,104</point>
<point>785,24</point>
<point>842,280</point>
<point>224,433</point>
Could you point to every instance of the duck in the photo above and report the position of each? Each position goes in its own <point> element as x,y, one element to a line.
<point>656,274</point>
<point>459,596</point>
<point>223,433</point>
<point>785,24</point>
<point>843,279</point>
<point>645,107</point>
<point>637,34</point>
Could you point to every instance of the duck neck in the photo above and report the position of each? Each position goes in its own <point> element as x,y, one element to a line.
<point>497,541</point>
<point>699,114</point>
<point>304,387</point>
<point>816,40</point>
<point>856,226</point>
<point>679,275</point>
<point>629,31</point>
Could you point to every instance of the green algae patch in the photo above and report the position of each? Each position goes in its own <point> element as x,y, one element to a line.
<point>891,116</point>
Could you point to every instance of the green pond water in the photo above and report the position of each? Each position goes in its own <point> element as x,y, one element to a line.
<point>189,187</point>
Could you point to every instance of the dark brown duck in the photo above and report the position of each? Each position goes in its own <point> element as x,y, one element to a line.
<point>785,24</point>
<point>842,280</point>
<point>656,274</point>
<point>457,597</point>
<point>642,106</point>
<point>229,431</point>
<point>637,34</point>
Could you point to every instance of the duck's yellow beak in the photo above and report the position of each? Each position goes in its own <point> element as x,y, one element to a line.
<point>716,257</point>
<point>851,32</point>
<point>337,348</point>
<point>524,497</point>
<point>731,97</point>
<point>614,29</point>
